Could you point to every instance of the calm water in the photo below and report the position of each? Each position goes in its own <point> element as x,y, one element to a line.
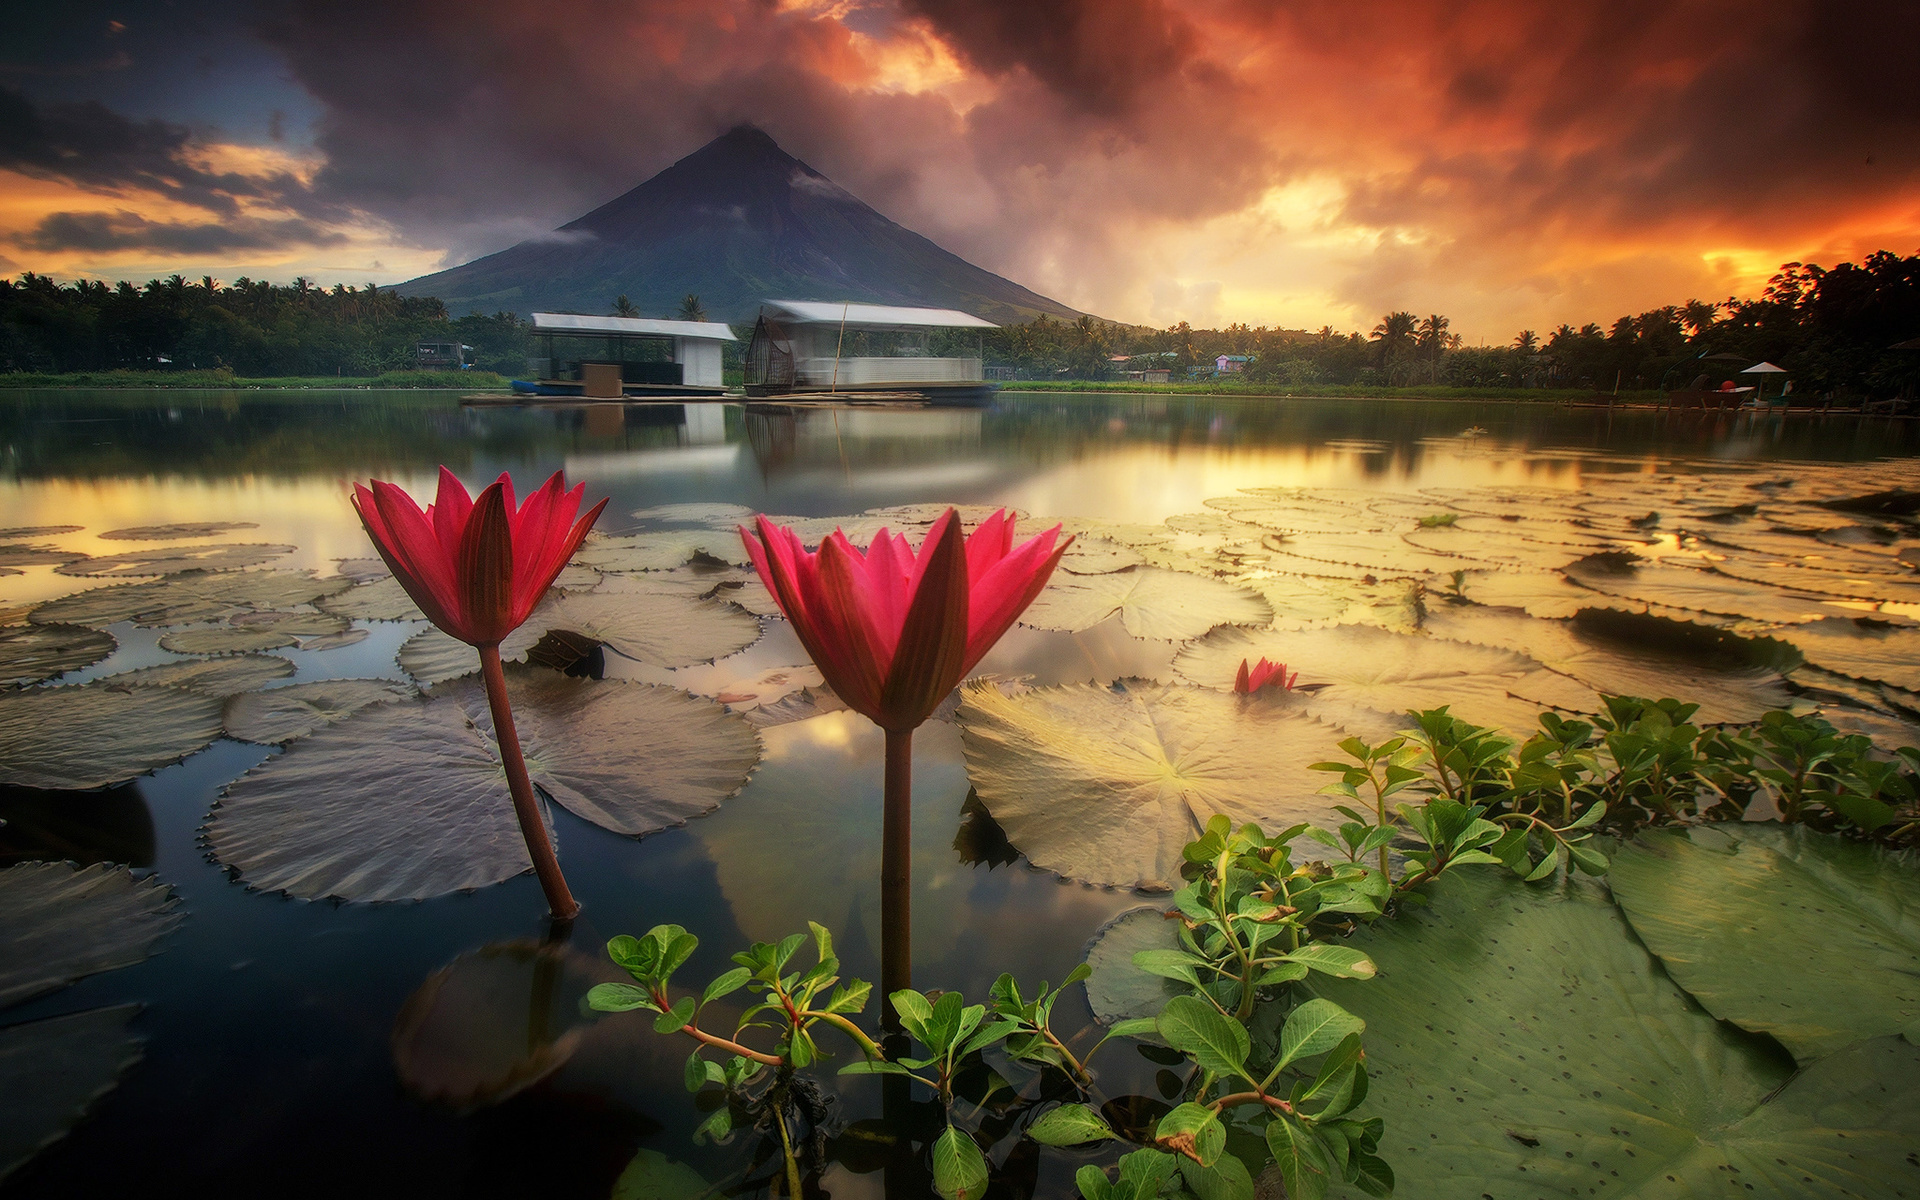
<point>268,1021</point>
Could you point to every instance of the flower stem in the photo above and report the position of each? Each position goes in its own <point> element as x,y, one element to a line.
<point>896,874</point>
<point>560,901</point>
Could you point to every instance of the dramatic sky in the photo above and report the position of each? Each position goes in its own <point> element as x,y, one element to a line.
<point>1509,163</point>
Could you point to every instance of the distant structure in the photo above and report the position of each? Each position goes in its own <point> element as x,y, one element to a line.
<point>613,357</point>
<point>805,347</point>
<point>1231,364</point>
<point>435,355</point>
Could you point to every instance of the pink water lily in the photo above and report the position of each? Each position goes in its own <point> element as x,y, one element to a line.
<point>1263,674</point>
<point>893,630</point>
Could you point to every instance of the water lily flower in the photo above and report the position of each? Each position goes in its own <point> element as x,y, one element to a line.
<point>1263,674</point>
<point>893,631</point>
<point>477,567</point>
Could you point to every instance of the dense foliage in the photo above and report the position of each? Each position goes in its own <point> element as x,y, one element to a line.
<point>249,327</point>
<point>1831,328</point>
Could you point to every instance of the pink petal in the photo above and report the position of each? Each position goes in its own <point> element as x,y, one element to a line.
<point>1008,588</point>
<point>423,567</point>
<point>450,510</point>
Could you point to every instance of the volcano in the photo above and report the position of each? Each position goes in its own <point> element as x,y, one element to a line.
<point>736,222</point>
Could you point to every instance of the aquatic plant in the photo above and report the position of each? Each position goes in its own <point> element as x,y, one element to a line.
<point>893,631</point>
<point>1251,678</point>
<point>477,567</point>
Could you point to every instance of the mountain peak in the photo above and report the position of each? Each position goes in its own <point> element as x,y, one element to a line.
<point>737,221</point>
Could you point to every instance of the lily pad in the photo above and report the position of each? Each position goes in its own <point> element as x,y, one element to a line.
<point>224,641</point>
<point>1700,589</point>
<point>1904,589</point>
<point>221,677</point>
<point>183,529</point>
<point>1504,549</point>
<point>1388,674</point>
<point>432,656</point>
<point>1117,990</point>
<point>31,653</point>
<point>697,513</point>
<point>170,559</point>
<point>381,599</point>
<point>1107,784</point>
<point>52,1071</point>
<point>1864,649</point>
<point>1632,654</point>
<point>32,531</point>
<point>658,621</point>
<point>662,550</point>
<point>407,801</point>
<point>26,555</point>
<point>1297,513</point>
<point>1376,555</point>
<point>282,714</point>
<point>1724,908</point>
<point>193,596</point>
<point>65,923</point>
<point>1097,556</point>
<point>91,735</point>
<point>1522,1044</point>
<point>1152,603</point>
<point>492,1023</point>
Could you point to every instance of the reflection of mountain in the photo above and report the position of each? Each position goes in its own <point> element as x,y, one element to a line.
<point>736,222</point>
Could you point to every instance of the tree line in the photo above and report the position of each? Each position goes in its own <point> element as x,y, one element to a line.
<point>1832,328</point>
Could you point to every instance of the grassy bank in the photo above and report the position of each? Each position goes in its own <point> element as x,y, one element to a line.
<point>1225,387</point>
<point>464,381</point>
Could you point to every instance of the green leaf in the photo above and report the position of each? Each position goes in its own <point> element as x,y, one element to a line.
<point>849,997</point>
<point>914,1012</point>
<point>725,985</point>
<point>1093,1183</point>
<point>653,1176</point>
<point>675,1018</point>
<point>634,956</point>
<point>1171,964</point>
<point>1494,982</point>
<point>1588,859</point>
<point>1193,1027</point>
<point>1136,1027</point>
<point>785,950</point>
<point>1315,1028</point>
<point>1548,865</point>
<point>959,1169</point>
<point>1801,935</point>
<point>987,1035</point>
<point>1193,1131</point>
<point>1286,972</point>
<point>1343,962</point>
<point>717,1126</point>
<point>1143,1173</point>
<point>1069,1125</point>
<point>697,1071</point>
<point>1341,1084</point>
<point>1372,1175</point>
<point>1226,1179</point>
<point>1299,1159</point>
<point>619,997</point>
<point>874,1066</point>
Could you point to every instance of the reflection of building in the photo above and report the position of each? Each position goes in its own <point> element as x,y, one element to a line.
<point>610,357</point>
<point>802,347</point>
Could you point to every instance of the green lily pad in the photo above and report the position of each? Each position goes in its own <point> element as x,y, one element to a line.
<point>31,653</point>
<point>193,596</point>
<point>1152,603</point>
<point>381,599</point>
<point>183,529</point>
<point>1371,670</point>
<point>1864,649</point>
<point>53,1070</point>
<point>1522,1044</point>
<point>1633,654</point>
<point>1117,990</point>
<point>90,735</point>
<point>221,677</point>
<point>407,801</point>
<point>282,714</point>
<point>492,1023</point>
<point>1725,908</point>
<point>167,560</point>
<point>65,923</point>
<point>1107,784</point>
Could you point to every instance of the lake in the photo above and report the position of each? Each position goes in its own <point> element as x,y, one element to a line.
<point>297,1046</point>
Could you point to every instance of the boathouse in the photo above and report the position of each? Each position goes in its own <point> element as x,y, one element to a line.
<point>806,347</point>
<point>611,357</point>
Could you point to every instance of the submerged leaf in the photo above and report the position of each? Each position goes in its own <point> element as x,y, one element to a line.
<point>1572,1063</point>
<point>91,735</point>
<point>52,1071</point>
<point>64,923</point>
<point>1118,990</point>
<point>31,653</point>
<point>1108,784</point>
<point>1152,602</point>
<point>1726,907</point>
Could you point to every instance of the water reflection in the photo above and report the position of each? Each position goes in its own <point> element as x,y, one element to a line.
<point>108,826</point>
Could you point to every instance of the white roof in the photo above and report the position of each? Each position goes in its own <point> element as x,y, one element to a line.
<point>829,312</point>
<point>1765,368</point>
<point>575,323</point>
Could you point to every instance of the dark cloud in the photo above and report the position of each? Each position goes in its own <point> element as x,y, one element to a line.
<point>91,146</point>
<point>98,232</point>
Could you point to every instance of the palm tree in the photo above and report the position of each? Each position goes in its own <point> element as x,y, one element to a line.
<point>1527,341</point>
<point>690,309</point>
<point>1699,316</point>
<point>1394,334</point>
<point>623,307</point>
<point>1433,335</point>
